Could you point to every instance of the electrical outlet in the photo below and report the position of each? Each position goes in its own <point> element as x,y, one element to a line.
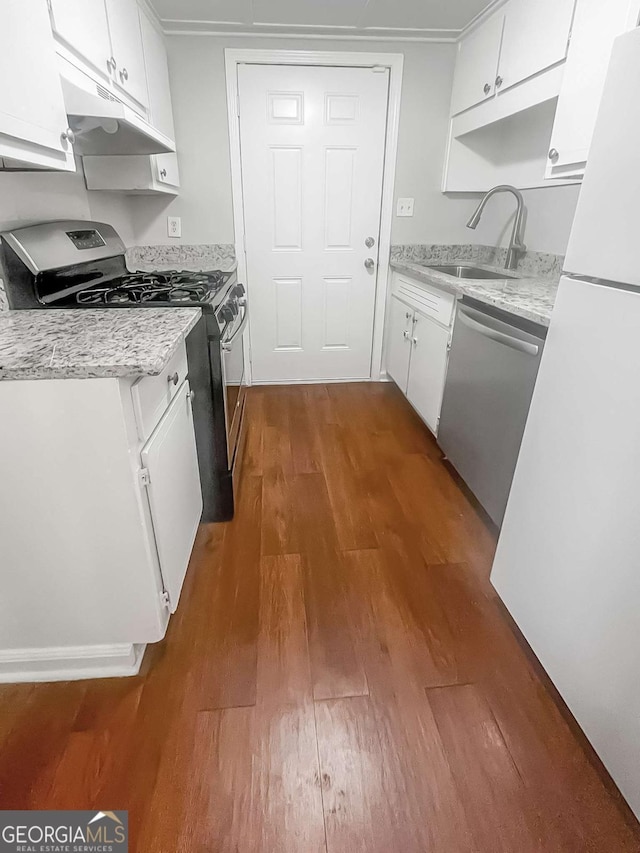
<point>405,207</point>
<point>174,226</point>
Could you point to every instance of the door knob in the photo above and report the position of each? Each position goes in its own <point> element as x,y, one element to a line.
<point>369,264</point>
<point>369,242</point>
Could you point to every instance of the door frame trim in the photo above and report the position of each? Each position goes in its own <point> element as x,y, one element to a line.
<point>233,57</point>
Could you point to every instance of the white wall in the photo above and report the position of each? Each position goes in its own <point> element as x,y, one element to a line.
<point>29,197</point>
<point>199,99</point>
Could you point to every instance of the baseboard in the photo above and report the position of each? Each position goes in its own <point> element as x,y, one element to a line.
<point>70,663</point>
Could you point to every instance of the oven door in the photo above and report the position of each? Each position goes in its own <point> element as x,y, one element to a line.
<point>233,378</point>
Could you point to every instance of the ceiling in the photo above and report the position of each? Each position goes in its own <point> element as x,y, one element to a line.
<point>414,19</point>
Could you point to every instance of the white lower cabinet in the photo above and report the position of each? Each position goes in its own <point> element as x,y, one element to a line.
<point>398,342</point>
<point>428,369</point>
<point>116,517</point>
<point>418,338</point>
<point>171,463</point>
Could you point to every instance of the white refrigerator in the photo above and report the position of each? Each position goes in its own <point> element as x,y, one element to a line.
<point>568,560</point>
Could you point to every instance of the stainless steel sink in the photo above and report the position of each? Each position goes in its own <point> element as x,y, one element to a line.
<point>467,271</point>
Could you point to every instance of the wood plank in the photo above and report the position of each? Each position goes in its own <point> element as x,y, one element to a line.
<point>490,786</point>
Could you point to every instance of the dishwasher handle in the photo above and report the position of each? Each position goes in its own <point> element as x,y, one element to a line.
<point>495,335</point>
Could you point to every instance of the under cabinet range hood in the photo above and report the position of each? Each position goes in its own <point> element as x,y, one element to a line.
<point>102,123</point>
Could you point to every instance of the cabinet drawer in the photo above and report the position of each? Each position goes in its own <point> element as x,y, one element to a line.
<point>431,301</point>
<point>153,394</point>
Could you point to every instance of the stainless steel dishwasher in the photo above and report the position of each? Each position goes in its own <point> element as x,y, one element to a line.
<point>492,371</point>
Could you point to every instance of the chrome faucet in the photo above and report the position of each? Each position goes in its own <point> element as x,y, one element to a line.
<point>515,244</point>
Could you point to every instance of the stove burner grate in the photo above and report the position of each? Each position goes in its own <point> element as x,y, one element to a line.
<point>143,287</point>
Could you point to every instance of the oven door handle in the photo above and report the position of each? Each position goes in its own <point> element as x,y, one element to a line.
<point>227,343</point>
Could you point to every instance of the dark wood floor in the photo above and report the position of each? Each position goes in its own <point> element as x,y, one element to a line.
<point>339,676</point>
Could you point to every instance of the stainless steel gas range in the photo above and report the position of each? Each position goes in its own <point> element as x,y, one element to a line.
<point>76,264</point>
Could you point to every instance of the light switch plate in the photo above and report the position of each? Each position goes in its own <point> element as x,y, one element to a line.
<point>405,207</point>
<point>174,226</point>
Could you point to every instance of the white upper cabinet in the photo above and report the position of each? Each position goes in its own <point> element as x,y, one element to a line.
<point>477,64</point>
<point>595,27</point>
<point>82,25</point>
<point>160,107</point>
<point>126,48</point>
<point>536,36</point>
<point>33,120</point>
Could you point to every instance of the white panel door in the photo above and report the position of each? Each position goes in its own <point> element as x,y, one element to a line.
<point>82,24</point>
<point>477,64</point>
<point>312,142</point>
<point>175,495</point>
<point>32,114</point>
<point>428,369</point>
<point>399,331</point>
<point>126,43</point>
<point>536,36</point>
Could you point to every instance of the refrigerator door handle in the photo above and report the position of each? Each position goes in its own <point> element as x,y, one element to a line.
<point>498,337</point>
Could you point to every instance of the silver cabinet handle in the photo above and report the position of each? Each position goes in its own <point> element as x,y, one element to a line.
<point>499,81</point>
<point>486,88</point>
<point>408,315</point>
<point>173,378</point>
<point>124,74</point>
<point>414,341</point>
<point>553,154</point>
<point>163,173</point>
<point>498,337</point>
<point>369,263</point>
<point>406,335</point>
<point>111,63</point>
<point>68,136</point>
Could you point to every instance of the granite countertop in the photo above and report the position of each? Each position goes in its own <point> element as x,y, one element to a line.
<point>91,343</point>
<point>531,297</point>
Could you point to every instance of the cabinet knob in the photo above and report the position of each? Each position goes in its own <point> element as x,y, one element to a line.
<point>124,74</point>
<point>486,88</point>
<point>499,81</point>
<point>163,173</point>
<point>408,315</point>
<point>111,63</point>
<point>553,154</point>
<point>173,378</point>
<point>68,136</point>
<point>406,335</point>
<point>414,341</point>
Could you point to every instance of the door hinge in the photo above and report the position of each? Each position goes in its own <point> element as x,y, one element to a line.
<point>144,477</point>
<point>165,600</point>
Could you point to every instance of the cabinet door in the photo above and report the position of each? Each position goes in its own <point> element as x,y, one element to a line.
<point>536,36</point>
<point>160,107</point>
<point>595,27</point>
<point>175,496</point>
<point>399,342</point>
<point>477,65</point>
<point>32,113</point>
<point>82,25</point>
<point>126,44</point>
<point>428,370</point>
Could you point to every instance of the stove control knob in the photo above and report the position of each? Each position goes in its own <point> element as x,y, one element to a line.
<point>226,312</point>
